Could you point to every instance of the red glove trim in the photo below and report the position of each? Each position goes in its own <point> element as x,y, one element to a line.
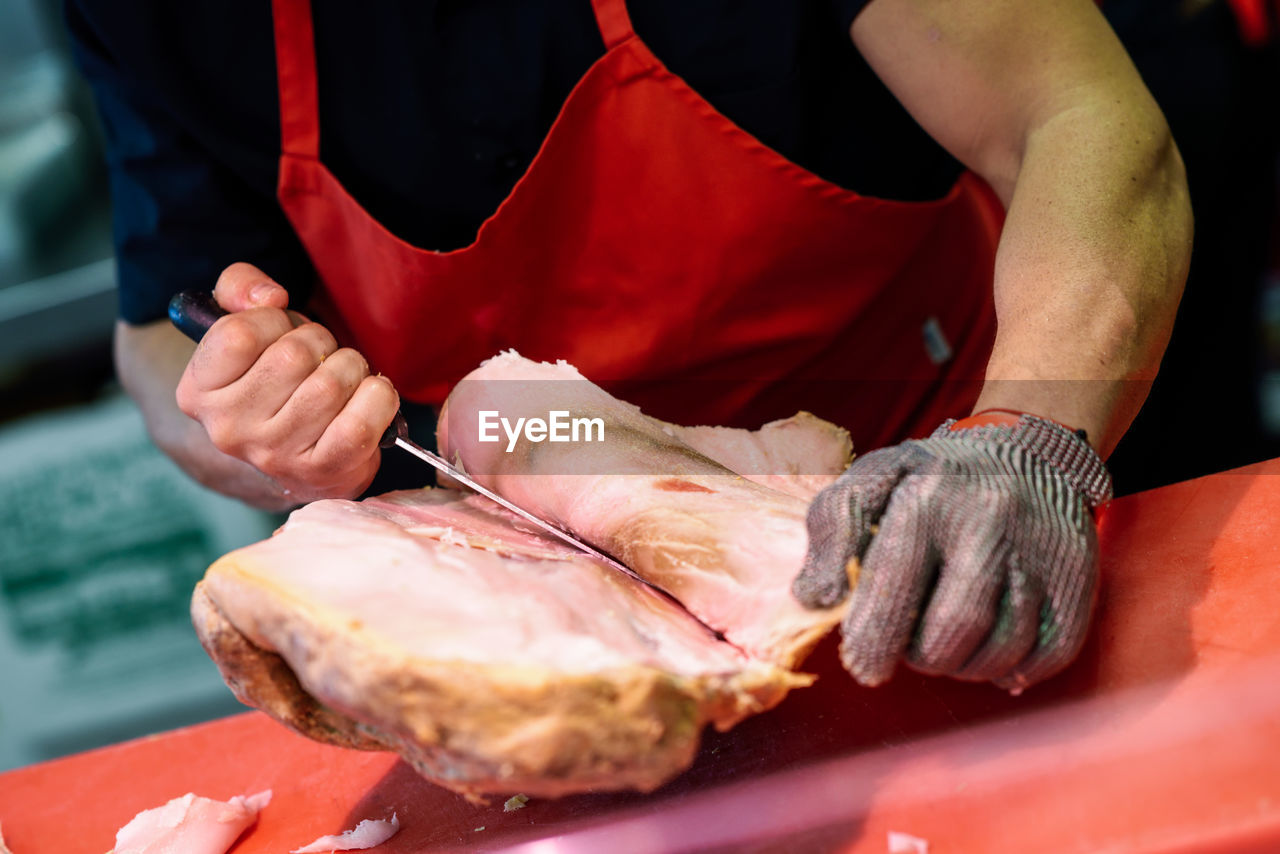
<point>988,417</point>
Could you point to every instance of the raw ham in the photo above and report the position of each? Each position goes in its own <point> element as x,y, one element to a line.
<point>799,455</point>
<point>491,658</point>
<point>495,659</point>
<point>190,824</point>
<point>725,545</point>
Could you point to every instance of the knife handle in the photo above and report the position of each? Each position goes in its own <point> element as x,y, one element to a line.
<point>193,312</point>
<point>397,429</point>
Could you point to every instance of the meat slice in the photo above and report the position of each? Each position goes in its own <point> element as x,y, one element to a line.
<point>190,824</point>
<point>799,455</point>
<point>369,833</point>
<point>492,658</point>
<point>726,546</point>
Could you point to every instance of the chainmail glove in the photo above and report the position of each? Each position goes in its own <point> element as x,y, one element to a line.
<point>972,553</point>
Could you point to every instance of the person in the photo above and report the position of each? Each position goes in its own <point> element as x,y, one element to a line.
<point>741,209</point>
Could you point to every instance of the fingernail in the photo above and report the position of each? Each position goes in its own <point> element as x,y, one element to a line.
<point>262,292</point>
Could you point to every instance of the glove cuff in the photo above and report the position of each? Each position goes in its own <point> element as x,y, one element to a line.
<point>1050,442</point>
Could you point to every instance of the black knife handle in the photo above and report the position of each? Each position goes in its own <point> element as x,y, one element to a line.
<point>193,312</point>
<point>397,429</point>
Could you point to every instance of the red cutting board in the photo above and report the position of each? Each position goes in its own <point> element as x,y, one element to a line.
<point>1163,737</point>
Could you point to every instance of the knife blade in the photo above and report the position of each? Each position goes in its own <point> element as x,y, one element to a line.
<point>193,312</point>
<point>466,480</point>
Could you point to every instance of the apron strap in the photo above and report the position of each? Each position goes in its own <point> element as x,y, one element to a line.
<point>296,77</point>
<point>613,21</point>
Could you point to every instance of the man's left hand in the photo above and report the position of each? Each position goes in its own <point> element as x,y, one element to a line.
<point>972,553</point>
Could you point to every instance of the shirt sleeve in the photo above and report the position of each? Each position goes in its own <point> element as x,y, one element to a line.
<point>848,10</point>
<point>179,215</point>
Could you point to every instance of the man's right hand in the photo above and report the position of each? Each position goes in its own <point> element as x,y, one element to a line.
<point>274,390</point>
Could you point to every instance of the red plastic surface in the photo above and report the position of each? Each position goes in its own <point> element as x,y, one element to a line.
<point>1163,737</point>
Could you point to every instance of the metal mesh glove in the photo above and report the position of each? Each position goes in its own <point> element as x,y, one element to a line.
<point>972,553</point>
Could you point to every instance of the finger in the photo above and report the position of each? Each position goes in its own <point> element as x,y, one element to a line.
<point>302,420</point>
<point>1014,634</point>
<point>243,286</point>
<point>233,345</point>
<point>1064,618</point>
<point>962,607</point>
<point>280,370</point>
<point>348,448</point>
<point>897,570</point>
<point>841,521</point>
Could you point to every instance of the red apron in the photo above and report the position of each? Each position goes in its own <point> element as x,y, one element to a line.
<point>666,253</point>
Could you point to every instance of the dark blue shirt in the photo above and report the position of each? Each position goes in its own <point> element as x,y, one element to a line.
<point>432,109</point>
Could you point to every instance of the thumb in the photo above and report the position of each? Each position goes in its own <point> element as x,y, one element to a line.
<point>843,519</point>
<point>243,286</point>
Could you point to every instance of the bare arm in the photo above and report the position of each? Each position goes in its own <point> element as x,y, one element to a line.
<point>268,408</point>
<point>150,360</point>
<point>1040,99</point>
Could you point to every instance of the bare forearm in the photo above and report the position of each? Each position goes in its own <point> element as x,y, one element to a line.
<point>1041,100</point>
<point>1090,268</point>
<point>150,360</point>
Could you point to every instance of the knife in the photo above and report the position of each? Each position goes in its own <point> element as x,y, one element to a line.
<point>193,312</point>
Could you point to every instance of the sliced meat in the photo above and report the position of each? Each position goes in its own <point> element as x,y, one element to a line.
<point>369,833</point>
<point>799,455</point>
<point>727,547</point>
<point>493,659</point>
<point>190,824</point>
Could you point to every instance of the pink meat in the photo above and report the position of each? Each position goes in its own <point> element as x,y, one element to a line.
<point>724,545</point>
<point>367,834</point>
<point>799,455</point>
<point>492,658</point>
<point>190,825</point>
<point>495,659</point>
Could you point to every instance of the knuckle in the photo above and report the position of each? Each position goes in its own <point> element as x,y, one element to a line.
<point>269,459</point>
<point>293,354</point>
<point>318,338</point>
<point>323,337</point>
<point>226,435</point>
<point>264,460</point>
<point>236,339</point>
<point>877,462</point>
<point>187,398</point>
<point>328,388</point>
<point>923,489</point>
